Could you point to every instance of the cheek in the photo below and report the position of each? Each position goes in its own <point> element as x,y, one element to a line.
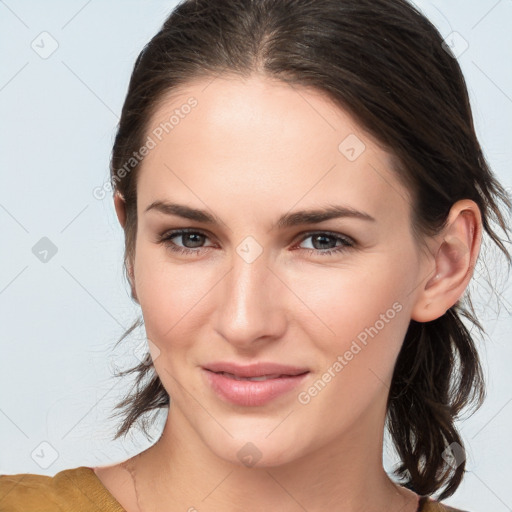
<point>343,304</point>
<point>358,360</point>
<point>168,294</point>
<point>358,326</point>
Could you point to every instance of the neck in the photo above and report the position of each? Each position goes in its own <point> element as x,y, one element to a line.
<point>180,472</point>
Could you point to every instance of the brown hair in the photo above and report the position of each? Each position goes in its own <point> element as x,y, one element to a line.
<point>385,64</point>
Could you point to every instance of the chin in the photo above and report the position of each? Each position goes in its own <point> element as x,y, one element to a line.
<point>257,451</point>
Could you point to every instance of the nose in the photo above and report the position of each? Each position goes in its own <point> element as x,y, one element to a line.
<point>252,304</point>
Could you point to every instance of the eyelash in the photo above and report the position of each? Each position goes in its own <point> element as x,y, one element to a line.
<point>167,237</point>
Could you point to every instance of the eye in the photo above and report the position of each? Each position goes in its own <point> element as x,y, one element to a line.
<point>191,239</point>
<point>326,243</point>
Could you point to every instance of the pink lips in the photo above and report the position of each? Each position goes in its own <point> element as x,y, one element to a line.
<point>279,379</point>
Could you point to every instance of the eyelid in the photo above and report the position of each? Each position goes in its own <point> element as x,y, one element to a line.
<point>300,237</point>
<point>347,241</point>
<point>306,234</point>
<point>176,232</point>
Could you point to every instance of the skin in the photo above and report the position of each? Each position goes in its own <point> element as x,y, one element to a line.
<point>251,151</point>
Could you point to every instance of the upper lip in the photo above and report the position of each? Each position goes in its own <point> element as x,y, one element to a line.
<point>258,369</point>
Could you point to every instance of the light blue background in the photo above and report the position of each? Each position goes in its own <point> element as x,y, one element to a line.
<point>60,319</point>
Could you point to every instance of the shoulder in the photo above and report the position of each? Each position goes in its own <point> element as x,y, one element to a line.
<point>70,490</point>
<point>431,505</point>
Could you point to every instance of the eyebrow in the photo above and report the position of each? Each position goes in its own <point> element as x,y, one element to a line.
<point>287,220</point>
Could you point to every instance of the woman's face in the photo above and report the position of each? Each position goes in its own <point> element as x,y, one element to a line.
<point>330,295</point>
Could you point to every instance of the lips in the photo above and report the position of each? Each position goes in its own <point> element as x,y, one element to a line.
<point>254,379</point>
<point>259,369</point>
<point>252,385</point>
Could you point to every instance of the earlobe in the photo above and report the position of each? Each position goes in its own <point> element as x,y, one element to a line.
<point>457,251</point>
<point>119,205</point>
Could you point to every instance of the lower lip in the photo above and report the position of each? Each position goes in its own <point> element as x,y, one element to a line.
<point>251,392</point>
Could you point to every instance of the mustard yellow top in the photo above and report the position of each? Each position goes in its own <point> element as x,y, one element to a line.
<point>71,490</point>
<point>80,490</point>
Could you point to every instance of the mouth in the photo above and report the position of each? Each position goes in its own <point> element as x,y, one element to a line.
<point>258,378</point>
<point>260,370</point>
<point>253,390</point>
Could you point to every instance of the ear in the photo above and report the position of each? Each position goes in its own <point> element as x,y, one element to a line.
<point>120,207</point>
<point>456,251</point>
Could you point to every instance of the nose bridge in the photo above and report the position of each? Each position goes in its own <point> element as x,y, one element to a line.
<point>248,308</point>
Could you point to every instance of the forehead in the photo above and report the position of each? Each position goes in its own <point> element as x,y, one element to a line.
<point>263,139</point>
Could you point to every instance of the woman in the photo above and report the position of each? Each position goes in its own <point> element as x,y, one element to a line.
<point>303,198</point>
